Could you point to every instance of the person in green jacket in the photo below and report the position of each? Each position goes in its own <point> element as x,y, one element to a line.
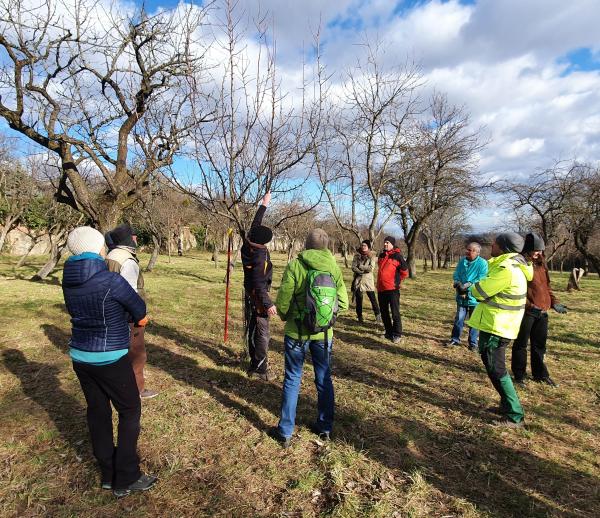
<point>298,339</point>
<point>498,316</point>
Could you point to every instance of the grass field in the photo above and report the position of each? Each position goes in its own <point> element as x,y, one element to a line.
<point>413,437</point>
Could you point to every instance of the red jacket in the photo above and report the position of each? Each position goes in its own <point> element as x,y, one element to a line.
<point>392,269</point>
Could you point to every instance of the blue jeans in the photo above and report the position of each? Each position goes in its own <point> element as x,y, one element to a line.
<point>295,351</point>
<point>459,322</point>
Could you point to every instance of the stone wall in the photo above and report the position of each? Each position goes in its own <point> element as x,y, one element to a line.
<point>19,240</point>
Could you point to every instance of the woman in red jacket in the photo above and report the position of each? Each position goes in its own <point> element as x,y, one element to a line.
<point>392,269</point>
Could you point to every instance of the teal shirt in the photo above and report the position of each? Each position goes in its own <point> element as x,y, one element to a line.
<point>469,271</point>
<point>99,359</point>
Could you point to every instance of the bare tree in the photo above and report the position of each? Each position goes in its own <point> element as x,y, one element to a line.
<point>439,165</point>
<point>540,203</point>
<point>441,233</point>
<point>260,138</point>
<point>364,139</point>
<point>92,82</point>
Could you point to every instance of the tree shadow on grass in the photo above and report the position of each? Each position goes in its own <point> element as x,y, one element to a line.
<point>380,345</point>
<point>468,462</point>
<point>40,383</point>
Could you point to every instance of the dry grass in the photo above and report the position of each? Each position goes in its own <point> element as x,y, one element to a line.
<point>412,434</point>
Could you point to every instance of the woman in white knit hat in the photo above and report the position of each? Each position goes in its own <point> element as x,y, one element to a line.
<point>100,303</point>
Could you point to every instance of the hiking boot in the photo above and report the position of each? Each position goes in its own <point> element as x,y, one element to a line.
<point>386,336</point>
<point>507,423</point>
<point>324,436</point>
<point>268,375</point>
<point>148,394</point>
<point>273,433</point>
<point>451,343</point>
<point>143,483</point>
<point>498,410</point>
<point>520,382</point>
<point>360,320</point>
<point>547,380</point>
<point>396,339</point>
<point>473,348</point>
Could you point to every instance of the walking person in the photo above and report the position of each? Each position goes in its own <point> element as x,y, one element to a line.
<point>301,303</point>
<point>363,264</point>
<point>99,303</point>
<point>392,271</point>
<point>534,326</point>
<point>258,307</point>
<point>122,259</point>
<point>498,316</point>
<point>470,269</point>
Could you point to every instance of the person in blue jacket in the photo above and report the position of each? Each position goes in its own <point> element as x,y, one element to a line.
<point>470,269</point>
<point>99,303</point>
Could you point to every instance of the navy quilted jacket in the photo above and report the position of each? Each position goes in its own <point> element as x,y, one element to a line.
<point>99,303</point>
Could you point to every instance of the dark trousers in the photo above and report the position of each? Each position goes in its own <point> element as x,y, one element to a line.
<point>358,295</point>
<point>534,329</point>
<point>389,303</point>
<point>493,355</point>
<point>103,385</point>
<point>257,337</point>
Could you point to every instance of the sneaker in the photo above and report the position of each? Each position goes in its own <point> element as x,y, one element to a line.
<point>473,348</point>
<point>324,436</point>
<point>386,336</point>
<point>273,433</point>
<point>360,320</point>
<point>451,343</point>
<point>143,483</point>
<point>148,394</point>
<point>547,380</point>
<point>378,320</point>
<point>106,485</point>
<point>507,423</point>
<point>396,339</point>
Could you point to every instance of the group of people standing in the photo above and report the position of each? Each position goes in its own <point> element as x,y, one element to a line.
<point>504,298</point>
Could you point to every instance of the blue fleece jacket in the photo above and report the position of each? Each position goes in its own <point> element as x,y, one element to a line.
<point>469,271</point>
<point>100,303</point>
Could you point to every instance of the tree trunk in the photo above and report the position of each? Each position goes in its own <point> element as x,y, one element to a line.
<point>215,255</point>
<point>21,261</point>
<point>411,259</point>
<point>291,247</point>
<point>345,254</point>
<point>55,255</point>
<point>155,253</point>
<point>7,226</point>
<point>574,278</point>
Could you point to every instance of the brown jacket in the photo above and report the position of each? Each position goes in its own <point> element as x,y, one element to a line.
<point>362,266</point>
<point>539,292</point>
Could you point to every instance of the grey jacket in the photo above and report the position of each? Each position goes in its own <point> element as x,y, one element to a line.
<point>362,266</point>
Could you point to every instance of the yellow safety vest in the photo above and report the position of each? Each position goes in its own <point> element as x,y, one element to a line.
<point>502,295</point>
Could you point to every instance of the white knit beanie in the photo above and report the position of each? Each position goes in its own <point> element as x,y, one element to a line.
<point>85,239</point>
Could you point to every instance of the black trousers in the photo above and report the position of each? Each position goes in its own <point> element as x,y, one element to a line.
<point>358,295</point>
<point>103,385</point>
<point>257,337</point>
<point>534,329</point>
<point>389,303</point>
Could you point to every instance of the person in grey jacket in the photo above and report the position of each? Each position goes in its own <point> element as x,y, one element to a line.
<point>363,282</point>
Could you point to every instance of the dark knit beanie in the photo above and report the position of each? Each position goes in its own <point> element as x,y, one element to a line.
<point>510,242</point>
<point>391,239</point>
<point>533,242</point>
<point>368,243</point>
<point>260,235</point>
<point>317,239</point>
<point>122,236</point>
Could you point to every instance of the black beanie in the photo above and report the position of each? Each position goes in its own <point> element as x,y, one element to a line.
<point>122,236</point>
<point>368,243</point>
<point>260,235</point>
<point>391,239</point>
<point>533,242</point>
<point>510,242</point>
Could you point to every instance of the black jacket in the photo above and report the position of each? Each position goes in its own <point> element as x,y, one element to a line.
<point>258,269</point>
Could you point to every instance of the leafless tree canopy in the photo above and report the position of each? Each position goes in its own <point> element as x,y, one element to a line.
<point>92,83</point>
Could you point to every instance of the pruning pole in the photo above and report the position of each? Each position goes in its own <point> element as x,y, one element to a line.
<point>227,281</point>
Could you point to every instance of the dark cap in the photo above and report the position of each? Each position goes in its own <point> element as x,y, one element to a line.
<point>510,242</point>
<point>533,242</point>
<point>260,235</point>
<point>390,239</point>
<point>123,236</point>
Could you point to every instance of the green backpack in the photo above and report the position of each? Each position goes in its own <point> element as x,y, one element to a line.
<point>320,303</point>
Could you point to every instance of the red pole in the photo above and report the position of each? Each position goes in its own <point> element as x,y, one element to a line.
<point>229,247</point>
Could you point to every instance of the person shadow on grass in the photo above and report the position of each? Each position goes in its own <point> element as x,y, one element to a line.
<point>40,383</point>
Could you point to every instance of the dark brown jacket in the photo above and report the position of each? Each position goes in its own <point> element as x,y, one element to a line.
<point>539,292</point>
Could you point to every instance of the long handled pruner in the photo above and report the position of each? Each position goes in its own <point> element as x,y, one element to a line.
<point>227,282</point>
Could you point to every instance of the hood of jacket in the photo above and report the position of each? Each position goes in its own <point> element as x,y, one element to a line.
<point>518,259</point>
<point>81,268</point>
<point>320,259</point>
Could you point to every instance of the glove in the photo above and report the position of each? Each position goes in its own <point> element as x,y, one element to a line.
<point>456,285</point>
<point>466,286</point>
<point>559,308</point>
<point>142,323</point>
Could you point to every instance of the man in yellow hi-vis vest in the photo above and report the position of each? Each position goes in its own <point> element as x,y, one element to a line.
<point>498,317</point>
